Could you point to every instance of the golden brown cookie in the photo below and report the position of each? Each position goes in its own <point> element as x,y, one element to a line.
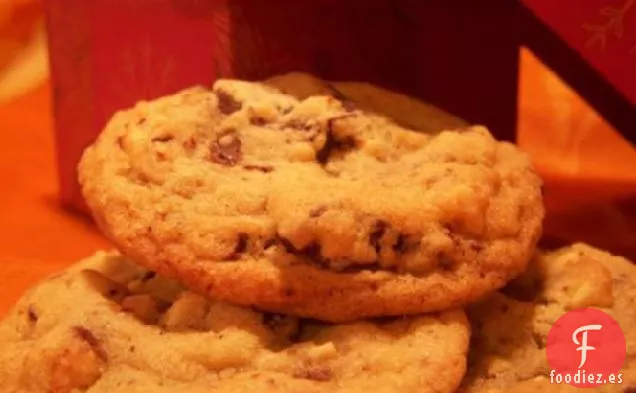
<point>108,326</point>
<point>407,111</point>
<point>252,196</point>
<point>510,328</point>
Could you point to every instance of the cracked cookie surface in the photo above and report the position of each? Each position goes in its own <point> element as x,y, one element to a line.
<point>107,325</point>
<point>510,328</point>
<point>253,196</point>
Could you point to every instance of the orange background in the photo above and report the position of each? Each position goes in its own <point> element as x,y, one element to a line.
<point>590,172</point>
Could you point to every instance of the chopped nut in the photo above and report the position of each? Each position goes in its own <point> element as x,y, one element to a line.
<point>143,307</point>
<point>187,312</point>
<point>590,295</point>
<point>104,285</point>
<point>323,352</point>
<point>77,365</point>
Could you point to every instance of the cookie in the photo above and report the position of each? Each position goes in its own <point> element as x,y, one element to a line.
<point>510,328</point>
<point>407,111</point>
<point>252,196</point>
<point>107,325</point>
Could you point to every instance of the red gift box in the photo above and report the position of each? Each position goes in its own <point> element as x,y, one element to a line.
<point>592,45</point>
<point>459,55</point>
<point>602,32</point>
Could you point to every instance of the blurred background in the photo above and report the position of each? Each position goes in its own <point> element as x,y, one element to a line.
<point>23,57</point>
<point>589,169</point>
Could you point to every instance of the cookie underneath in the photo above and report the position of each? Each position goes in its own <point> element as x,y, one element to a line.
<point>106,325</point>
<point>510,328</point>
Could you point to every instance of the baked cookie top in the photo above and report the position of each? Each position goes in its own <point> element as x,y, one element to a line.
<point>222,175</point>
<point>107,325</point>
<point>406,111</point>
<point>510,328</point>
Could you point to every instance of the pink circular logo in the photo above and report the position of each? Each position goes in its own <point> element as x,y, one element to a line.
<point>586,348</point>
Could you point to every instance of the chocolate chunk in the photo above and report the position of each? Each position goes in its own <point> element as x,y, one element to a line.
<point>283,325</point>
<point>323,154</point>
<point>227,103</point>
<point>288,246</point>
<point>88,337</point>
<point>376,234</point>
<point>261,168</point>
<point>163,138</point>
<point>315,373</point>
<point>269,243</point>
<point>258,121</point>
<point>226,150</point>
<point>331,144</point>
<point>400,244</point>
<point>148,276</point>
<point>317,211</point>
<point>241,245</point>
<point>313,252</point>
<point>32,314</point>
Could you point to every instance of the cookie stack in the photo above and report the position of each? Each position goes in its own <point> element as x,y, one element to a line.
<point>302,236</point>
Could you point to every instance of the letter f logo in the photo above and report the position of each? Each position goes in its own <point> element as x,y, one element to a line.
<point>583,343</point>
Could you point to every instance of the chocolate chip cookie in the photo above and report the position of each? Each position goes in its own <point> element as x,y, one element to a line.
<point>510,328</point>
<point>107,325</point>
<point>407,111</point>
<point>256,197</point>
